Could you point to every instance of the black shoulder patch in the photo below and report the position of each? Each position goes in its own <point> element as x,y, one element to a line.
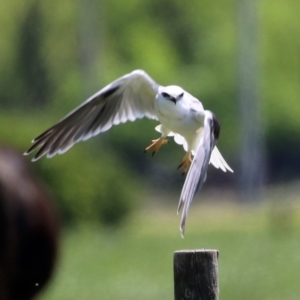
<point>216,126</point>
<point>109,92</point>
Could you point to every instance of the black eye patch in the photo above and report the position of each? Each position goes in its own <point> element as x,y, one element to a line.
<point>181,95</point>
<point>166,95</point>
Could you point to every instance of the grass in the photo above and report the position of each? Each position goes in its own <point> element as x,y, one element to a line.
<point>259,254</point>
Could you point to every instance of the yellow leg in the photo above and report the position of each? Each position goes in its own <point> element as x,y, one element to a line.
<point>186,162</point>
<point>156,144</point>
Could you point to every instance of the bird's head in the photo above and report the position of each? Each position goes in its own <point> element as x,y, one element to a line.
<point>171,93</point>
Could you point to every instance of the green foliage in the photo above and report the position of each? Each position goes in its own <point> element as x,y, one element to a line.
<point>281,67</point>
<point>192,44</point>
<point>88,186</point>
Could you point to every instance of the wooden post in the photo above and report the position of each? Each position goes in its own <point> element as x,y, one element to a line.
<point>196,275</point>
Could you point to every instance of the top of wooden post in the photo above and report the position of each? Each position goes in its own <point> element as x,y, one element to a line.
<point>196,274</point>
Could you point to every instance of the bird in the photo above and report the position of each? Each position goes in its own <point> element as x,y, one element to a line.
<point>134,96</point>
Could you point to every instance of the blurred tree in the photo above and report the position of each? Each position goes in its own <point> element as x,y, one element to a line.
<point>31,64</point>
<point>251,129</point>
<point>280,86</point>
<point>48,48</point>
<point>91,19</point>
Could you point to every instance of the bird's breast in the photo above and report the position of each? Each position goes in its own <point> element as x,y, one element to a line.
<point>179,118</point>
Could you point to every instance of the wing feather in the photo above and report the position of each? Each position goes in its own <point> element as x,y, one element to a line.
<point>128,98</point>
<point>198,169</point>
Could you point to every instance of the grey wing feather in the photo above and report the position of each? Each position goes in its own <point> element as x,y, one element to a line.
<point>128,98</point>
<point>197,172</point>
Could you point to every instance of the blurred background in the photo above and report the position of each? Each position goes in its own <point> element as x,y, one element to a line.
<point>118,205</point>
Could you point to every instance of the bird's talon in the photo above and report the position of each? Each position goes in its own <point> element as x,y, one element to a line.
<point>156,144</point>
<point>186,162</point>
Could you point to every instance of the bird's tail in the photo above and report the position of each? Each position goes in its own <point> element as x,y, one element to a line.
<point>217,160</point>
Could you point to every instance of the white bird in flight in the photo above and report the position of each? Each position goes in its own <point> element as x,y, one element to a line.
<point>134,96</point>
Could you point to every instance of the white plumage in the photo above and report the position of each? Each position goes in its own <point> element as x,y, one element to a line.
<point>134,96</point>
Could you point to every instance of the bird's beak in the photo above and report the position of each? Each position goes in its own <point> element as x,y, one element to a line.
<point>174,100</point>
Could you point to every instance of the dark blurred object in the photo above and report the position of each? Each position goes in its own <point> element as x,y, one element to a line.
<point>28,229</point>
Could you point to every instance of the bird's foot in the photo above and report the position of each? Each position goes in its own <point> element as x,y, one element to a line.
<point>156,144</point>
<point>185,163</point>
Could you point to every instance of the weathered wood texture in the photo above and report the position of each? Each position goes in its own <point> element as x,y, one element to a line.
<point>196,275</point>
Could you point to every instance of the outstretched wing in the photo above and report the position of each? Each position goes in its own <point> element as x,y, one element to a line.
<point>197,172</point>
<point>128,98</point>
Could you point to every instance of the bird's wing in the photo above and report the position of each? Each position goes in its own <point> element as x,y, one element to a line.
<point>128,98</point>
<point>197,172</point>
<point>218,161</point>
<point>196,105</point>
